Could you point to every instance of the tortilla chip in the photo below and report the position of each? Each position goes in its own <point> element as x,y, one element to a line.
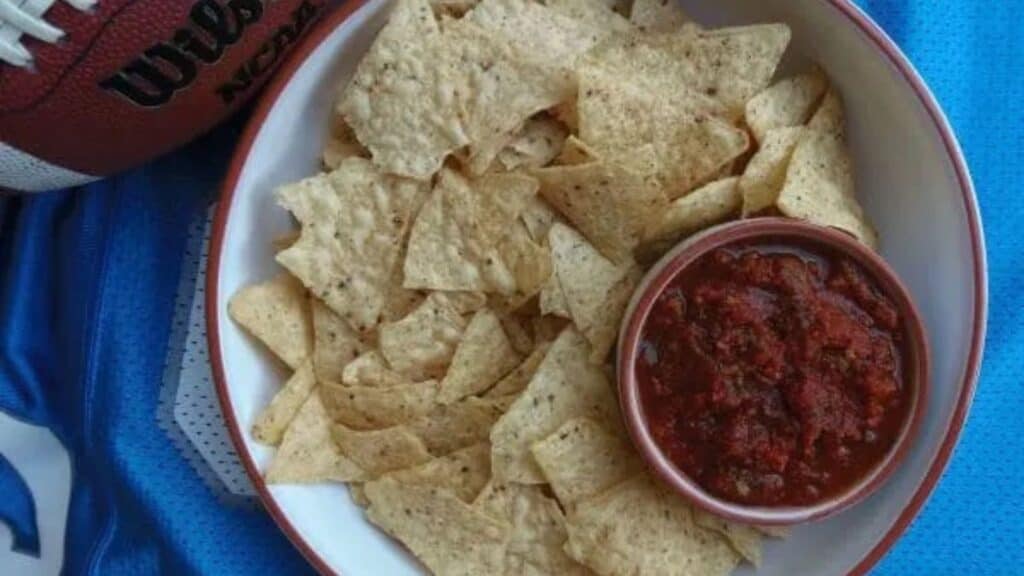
<point>621,120</point>
<point>536,144</point>
<point>702,208</point>
<point>718,70</point>
<point>552,299</point>
<point>374,407</point>
<point>745,540</point>
<point>399,301</point>
<point>603,331</point>
<point>527,261</point>
<point>565,113</point>
<point>538,529</point>
<point>485,81</point>
<point>734,64</point>
<point>465,472</point>
<point>620,7</point>
<point>655,63</point>
<point>503,403</point>
<point>548,328</point>
<point>518,331</point>
<point>353,221</point>
<point>765,174</point>
<point>400,103</point>
<point>464,302</point>
<point>448,428</point>
<point>584,457</point>
<point>649,253</point>
<point>598,320</point>
<point>820,188</point>
<point>733,168</point>
<point>371,370</point>
<point>556,32</point>
<point>445,533</point>
<point>774,531</point>
<point>829,116</point>
<point>609,204</point>
<point>484,355</point>
<point>421,345</point>
<point>380,451</point>
<point>565,386</point>
<point>658,15</point>
<point>358,494</point>
<point>538,216</point>
<point>597,15</point>
<point>575,151</point>
<point>639,527</point>
<point>277,313</point>
<point>587,278</point>
<point>787,103</point>
<point>270,425</point>
<point>453,244</point>
<point>452,8</point>
<point>500,87</point>
<point>335,343</point>
<point>284,241</point>
<point>307,453</point>
<point>516,380</point>
<point>341,144</point>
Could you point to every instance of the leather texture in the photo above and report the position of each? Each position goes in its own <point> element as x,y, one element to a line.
<point>136,78</point>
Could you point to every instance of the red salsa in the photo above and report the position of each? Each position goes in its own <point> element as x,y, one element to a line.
<point>772,374</point>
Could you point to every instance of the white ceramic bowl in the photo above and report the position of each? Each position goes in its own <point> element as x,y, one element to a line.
<point>911,177</point>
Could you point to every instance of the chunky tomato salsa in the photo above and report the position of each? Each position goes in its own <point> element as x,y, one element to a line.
<point>772,374</point>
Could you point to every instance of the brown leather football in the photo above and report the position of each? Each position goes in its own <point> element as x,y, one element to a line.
<point>91,87</point>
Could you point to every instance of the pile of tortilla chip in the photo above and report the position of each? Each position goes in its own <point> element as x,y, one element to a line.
<point>499,175</point>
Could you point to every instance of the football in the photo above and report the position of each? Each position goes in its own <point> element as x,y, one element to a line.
<point>92,87</point>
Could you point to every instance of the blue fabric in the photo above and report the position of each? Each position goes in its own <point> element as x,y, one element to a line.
<point>88,276</point>
<point>972,56</point>
<point>18,509</point>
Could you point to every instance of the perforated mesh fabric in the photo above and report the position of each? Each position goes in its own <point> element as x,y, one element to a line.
<point>189,412</point>
<point>23,172</point>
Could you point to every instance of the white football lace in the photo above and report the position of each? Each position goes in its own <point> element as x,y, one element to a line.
<point>25,18</point>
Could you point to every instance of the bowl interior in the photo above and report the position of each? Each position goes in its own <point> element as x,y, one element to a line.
<point>906,178</point>
<point>770,230</point>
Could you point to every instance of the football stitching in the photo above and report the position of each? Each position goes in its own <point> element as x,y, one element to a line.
<point>67,69</point>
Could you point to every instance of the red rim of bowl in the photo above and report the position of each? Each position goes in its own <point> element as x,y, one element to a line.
<point>771,229</point>
<point>859,19</point>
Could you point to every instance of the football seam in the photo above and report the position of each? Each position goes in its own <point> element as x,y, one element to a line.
<point>86,51</point>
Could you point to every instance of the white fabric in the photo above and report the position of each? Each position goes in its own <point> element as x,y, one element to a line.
<point>188,410</point>
<point>23,172</point>
<point>46,467</point>
<point>196,409</point>
<point>25,17</point>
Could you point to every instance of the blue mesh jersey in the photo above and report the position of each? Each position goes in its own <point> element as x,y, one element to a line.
<point>89,278</point>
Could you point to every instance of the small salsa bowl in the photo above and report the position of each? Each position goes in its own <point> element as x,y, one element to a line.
<point>771,230</point>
